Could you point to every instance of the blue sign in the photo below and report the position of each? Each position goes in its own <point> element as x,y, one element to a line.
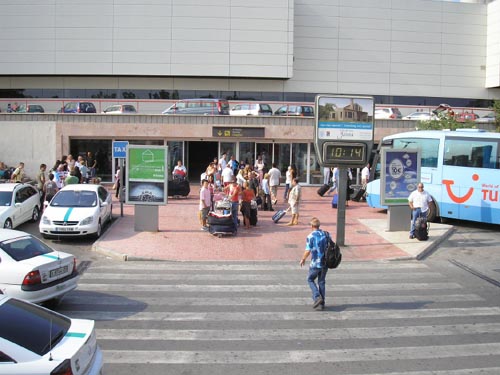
<point>400,175</point>
<point>120,149</point>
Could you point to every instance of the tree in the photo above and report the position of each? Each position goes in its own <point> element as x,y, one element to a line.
<point>496,109</point>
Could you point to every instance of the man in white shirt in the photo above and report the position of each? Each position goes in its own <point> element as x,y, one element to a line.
<point>274,181</point>
<point>365,175</point>
<point>227,175</point>
<point>419,204</point>
<point>222,162</point>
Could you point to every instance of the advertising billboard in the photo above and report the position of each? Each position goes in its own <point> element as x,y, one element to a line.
<point>400,175</point>
<point>147,175</point>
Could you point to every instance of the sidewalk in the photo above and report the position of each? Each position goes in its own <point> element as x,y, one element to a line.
<point>180,239</point>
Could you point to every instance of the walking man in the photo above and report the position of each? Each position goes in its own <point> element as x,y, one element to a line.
<point>274,181</point>
<point>316,244</point>
<point>419,204</point>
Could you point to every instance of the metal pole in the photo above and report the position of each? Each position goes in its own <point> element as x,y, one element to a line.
<point>342,192</point>
<point>120,193</point>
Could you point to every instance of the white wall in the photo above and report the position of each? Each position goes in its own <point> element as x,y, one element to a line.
<point>385,47</point>
<point>493,44</point>
<point>28,142</point>
<point>153,37</point>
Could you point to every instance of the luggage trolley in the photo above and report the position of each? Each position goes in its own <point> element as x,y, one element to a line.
<point>220,220</point>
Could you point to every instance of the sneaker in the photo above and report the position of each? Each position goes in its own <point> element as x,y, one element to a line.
<point>320,307</point>
<point>411,237</point>
<point>204,228</point>
<point>318,302</point>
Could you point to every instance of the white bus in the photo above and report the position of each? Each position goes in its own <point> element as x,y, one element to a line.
<point>460,170</point>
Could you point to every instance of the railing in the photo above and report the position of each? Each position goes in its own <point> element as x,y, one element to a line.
<point>156,106</point>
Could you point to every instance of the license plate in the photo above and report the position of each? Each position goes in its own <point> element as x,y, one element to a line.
<point>65,229</point>
<point>58,271</point>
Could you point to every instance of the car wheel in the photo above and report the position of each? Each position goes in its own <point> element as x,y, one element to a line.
<point>46,236</point>
<point>99,230</point>
<point>35,215</point>
<point>7,224</point>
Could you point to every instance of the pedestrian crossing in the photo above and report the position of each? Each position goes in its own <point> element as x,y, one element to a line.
<point>382,318</point>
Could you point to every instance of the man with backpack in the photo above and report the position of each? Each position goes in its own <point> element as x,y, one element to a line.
<point>316,245</point>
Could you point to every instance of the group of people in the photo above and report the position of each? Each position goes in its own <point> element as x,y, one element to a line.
<point>243,183</point>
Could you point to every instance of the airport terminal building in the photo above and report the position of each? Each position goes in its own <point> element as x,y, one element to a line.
<point>152,52</point>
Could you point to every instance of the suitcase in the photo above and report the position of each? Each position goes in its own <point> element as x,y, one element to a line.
<point>178,188</point>
<point>279,215</point>
<point>360,194</point>
<point>253,216</point>
<point>215,218</point>
<point>220,230</point>
<point>335,201</point>
<point>323,189</point>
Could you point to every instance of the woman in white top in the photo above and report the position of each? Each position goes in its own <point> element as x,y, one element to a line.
<point>288,182</point>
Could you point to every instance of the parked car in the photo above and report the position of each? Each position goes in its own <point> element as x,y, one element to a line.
<point>36,340</point>
<point>420,116</point>
<point>79,107</point>
<point>200,106</point>
<point>251,109</point>
<point>120,109</point>
<point>387,114</point>
<point>295,110</point>
<point>19,203</point>
<point>77,210</point>
<point>32,271</point>
<point>490,117</point>
<point>466,117</point>
<point>30,108</point>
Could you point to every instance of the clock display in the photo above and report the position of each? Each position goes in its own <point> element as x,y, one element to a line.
<point>342,153</point>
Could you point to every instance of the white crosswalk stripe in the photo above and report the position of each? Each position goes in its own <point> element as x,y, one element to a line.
<point>192,316</point>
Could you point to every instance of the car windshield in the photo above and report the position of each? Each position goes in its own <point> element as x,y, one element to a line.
<point>74,198</point>
<point>22,248</point>
<point>5,198</point>
<point>31,326</point>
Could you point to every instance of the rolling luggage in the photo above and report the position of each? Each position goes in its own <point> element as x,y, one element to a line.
<point>359,195</point>
<point>279,215</point>
<point>178,187</point>
<point>421,229</point>
<point>335,201</point>
<point>253,216</point>
<point>323,189</point>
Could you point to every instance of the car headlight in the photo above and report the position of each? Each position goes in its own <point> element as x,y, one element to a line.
<point>87,220</point>
<point>45,220</point>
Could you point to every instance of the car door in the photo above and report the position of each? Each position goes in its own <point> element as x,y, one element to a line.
<point>104,203</point>
<point>19,215</point>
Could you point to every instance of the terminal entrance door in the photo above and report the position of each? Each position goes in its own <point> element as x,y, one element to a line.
<point>199,155</point>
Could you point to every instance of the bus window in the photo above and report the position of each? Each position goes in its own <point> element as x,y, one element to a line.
<point>429,149</point>
<point>474,153</point>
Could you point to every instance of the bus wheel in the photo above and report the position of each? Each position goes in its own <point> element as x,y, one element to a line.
<point>431,214</point>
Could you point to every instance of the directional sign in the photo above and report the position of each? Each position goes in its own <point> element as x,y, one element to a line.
<point>120,149</point>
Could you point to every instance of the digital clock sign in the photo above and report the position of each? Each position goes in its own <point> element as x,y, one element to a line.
<point>344,130</point>
<point>336,152</point>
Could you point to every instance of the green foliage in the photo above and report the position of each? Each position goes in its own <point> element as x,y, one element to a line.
<point>445,121</point>
<point>496,109</point>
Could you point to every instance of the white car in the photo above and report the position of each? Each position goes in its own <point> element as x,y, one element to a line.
<point>18,203</point>
<point>490,117</point>
<point>120,109</point>
<point>420,116</point>
<point>387,114</point>
<point>32,271</point>
<point>77,210</point>
<point>251,109</point>
<point>38,341</point>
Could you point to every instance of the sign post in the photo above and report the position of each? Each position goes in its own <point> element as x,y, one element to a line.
<point>147,184</point>
<point>343,138</point>
<point>120,152</point>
